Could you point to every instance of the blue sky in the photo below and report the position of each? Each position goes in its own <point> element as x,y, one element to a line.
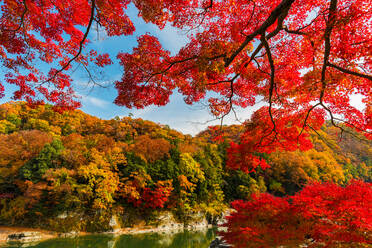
<point>98,101</point>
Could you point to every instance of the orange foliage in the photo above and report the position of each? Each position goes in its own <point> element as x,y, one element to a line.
<point>151,149</point>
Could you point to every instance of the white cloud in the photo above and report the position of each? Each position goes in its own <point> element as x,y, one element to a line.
<point>91,100</point>
<point>356,101</point>
<point>142,113</point>
<point>171,38</point>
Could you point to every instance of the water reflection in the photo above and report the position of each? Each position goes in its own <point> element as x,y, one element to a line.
<point>187,239</point>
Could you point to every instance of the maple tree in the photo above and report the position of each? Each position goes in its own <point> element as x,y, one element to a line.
<point>321,215</point>
<point>303,58</point>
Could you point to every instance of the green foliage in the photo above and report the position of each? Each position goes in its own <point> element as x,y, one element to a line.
<point>91,169</point>
<point>190,168</point>
<point>48,158</point>
<point>240,185</point>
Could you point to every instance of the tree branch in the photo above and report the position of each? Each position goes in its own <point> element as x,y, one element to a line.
<point>350,72</point>
<point>22,19</point>
<point>327,45</point>
<point>91,19</point>
<point>281,9</point>
<point>272,78</point>
<point>305,121</point>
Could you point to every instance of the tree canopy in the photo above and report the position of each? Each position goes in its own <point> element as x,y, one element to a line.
<point>304,59</point>
<point>51,163</point>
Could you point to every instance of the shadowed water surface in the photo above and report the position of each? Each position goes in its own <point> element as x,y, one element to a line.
<point>187,239</point>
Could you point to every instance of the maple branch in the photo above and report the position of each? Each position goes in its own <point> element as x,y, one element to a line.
<point>259,47</point>
<point>280,11</point>
<point>294,31</point>
<point>272,78</point>
<point>22,19</point>
<point>171,64</point>
<point>91,78</point>
<point>81,44</point>
<point>320,136</point>
<point>305,121</point>
<point>349,71</point>
<point>298,31</point>
<point>327,46</point>
<point>230,97</point>
<point>332,117</point>
<point>335,125</point>
<point>354,126</point>
<point>250,18</point>
<point>209,6</point>
<point>203,14</point>
<point>259,67</point>
<point>327,50</point>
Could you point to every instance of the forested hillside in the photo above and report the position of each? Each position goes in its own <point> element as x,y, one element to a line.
<point>51,163</point>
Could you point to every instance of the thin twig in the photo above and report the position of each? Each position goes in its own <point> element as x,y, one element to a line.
<point>80,45</point>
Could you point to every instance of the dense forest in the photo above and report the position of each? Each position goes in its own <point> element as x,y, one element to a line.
<point>52,163</point>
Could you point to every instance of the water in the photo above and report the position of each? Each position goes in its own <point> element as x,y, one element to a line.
<point>187,239</point>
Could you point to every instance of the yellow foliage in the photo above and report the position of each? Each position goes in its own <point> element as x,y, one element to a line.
<point>101,181</point>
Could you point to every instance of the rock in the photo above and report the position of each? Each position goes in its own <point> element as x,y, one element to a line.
<point>24,237</point>
<point>71,234</point>
<point>196,225</point>
<point>217,243</point>
<point>114,224</point>
<point>220,220</point>
<point>197,221</point>
<point>166,223</point>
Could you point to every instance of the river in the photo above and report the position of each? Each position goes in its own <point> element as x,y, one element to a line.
<point>186,239</point>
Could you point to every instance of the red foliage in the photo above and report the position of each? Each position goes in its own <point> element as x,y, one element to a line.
<point>153,198</point>
<point>322,213</point>
<point>156,198</point>
<point>304,59</point>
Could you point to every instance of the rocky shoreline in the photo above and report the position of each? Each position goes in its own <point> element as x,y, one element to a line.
<point>166,224</point>
<point>29,235</point>
<point>24,235</point>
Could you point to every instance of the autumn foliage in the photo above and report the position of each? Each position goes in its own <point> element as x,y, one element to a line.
<point>52,164</point>
<point>303,59</point>
<point>323,215</point>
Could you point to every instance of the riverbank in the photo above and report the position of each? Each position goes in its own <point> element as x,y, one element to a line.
<point>185,239</point>
<point>25,235</point>
<point>166,223</point>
